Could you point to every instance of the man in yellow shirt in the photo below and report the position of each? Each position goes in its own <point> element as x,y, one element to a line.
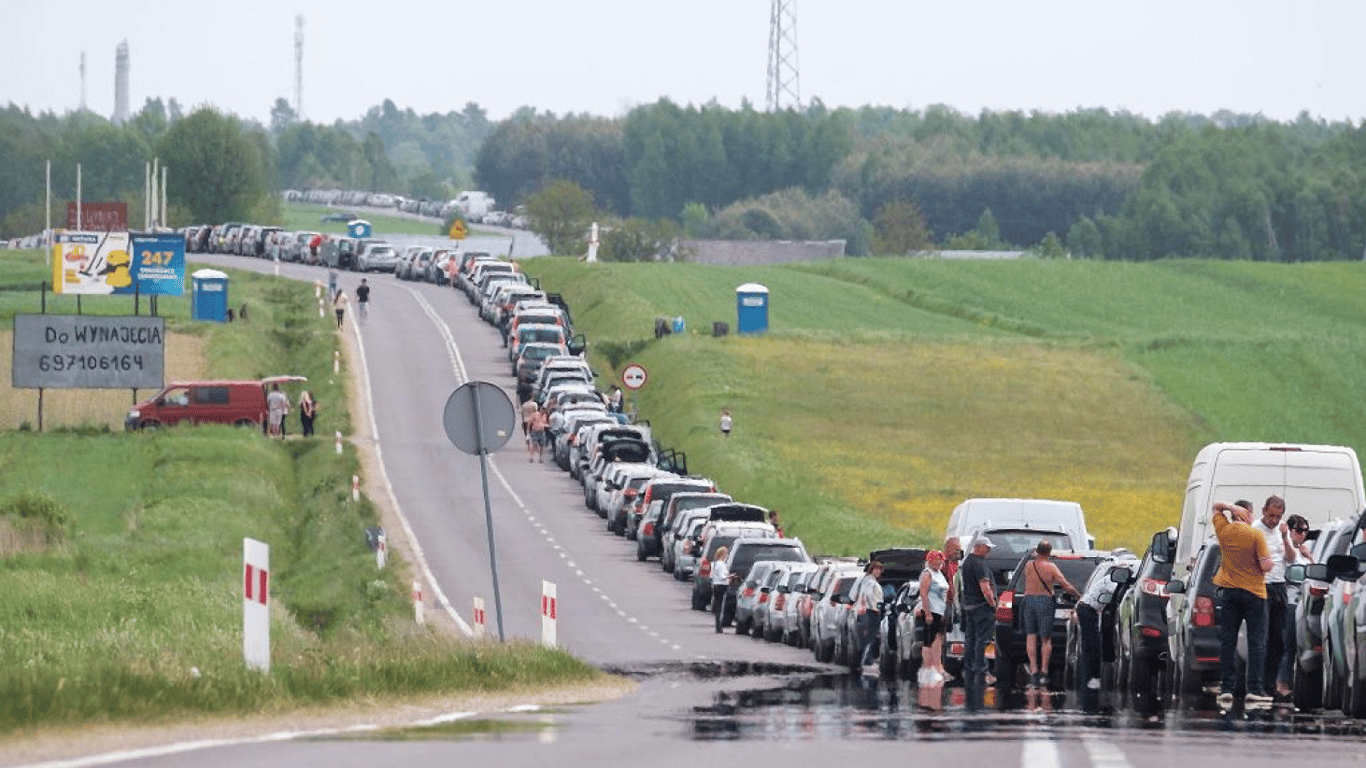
<point>1240,596</point>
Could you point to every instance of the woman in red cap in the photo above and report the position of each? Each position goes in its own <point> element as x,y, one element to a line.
<point>933,606</point>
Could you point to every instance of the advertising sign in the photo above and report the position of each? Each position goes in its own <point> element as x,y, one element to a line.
<point>116,263</point>
<point>88,352</point>
<point>98,217</point>
<point>158,265</point>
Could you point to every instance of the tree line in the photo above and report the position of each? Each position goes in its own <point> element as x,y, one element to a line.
<point>1094,183</point>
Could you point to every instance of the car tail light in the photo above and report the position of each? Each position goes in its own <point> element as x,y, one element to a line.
<point>780,602</point>
<point>648,529</point>
<point>749,592</point>
<point>1150,632</point>
<point>687,547</point>
<point>1204,612</point>
<point>630,493</point>
<point>1346,597</point>
<point>704,568</point>
<point>1154,587</point>
<point>1318,591</point>
<point>1005,607</point>
<point>763,597</point>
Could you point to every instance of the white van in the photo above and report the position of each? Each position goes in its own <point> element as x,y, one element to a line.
<point>1318,482</point>
<point>975,515</point>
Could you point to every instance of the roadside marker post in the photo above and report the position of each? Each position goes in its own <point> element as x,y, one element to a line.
<point>382,552</point>
<point>339,448</point>
<point>256,604</point>
<point>355,487</point>
<point>417,603</point>
<point>548,612</point>
<point>478,617</point>
<point>336,361</point>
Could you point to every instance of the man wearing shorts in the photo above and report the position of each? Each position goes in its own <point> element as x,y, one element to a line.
<point>1041,576</point>
<point>537,426</point>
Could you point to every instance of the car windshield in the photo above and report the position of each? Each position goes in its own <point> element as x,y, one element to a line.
<point>748,556</point>
<point>1014,544</point>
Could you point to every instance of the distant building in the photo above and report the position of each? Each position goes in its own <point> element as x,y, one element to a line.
<point>121,83</point>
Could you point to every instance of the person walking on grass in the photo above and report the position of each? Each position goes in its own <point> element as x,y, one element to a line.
<point>1240,596</point>
<point>726,422</point>
<point>308,410</point>
<point>277,405</point>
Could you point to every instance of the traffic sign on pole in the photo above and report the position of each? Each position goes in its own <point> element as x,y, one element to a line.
<point>634,376</point>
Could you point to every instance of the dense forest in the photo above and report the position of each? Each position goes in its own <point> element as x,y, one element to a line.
<point>1092,183</point>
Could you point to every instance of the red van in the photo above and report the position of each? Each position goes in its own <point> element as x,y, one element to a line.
<point>240,403</point>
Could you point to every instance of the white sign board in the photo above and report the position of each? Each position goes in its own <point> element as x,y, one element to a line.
<point>256,604</point>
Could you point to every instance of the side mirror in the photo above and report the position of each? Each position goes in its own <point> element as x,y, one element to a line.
<point>1162,545</point>
<point>1345,567</point>
<point>1122,575</point>
<point>1315,571</point>
<point>1294,574</point>
<point>1176,587</point>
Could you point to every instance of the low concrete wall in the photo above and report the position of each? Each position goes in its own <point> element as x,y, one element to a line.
<point>747,252</point>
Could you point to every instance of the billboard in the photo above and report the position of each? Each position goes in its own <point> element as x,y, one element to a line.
<point>88,352</point>
<point>98,217</point>
<point>117,263</point>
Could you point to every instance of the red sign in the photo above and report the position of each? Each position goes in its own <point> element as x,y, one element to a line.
<point>547,606</point>
<point>98,217</point>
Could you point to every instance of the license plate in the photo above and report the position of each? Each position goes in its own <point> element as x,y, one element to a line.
<point>1063,613</point>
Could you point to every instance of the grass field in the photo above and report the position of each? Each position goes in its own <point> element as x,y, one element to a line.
<point>888,390</point>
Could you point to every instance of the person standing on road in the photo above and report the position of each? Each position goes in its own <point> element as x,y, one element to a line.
<point>868,604</point>
<point>1300,553</point>
<point>339,302</point>
<point>720,582</point>
<point>978,600</point>
<point>1041,578</point>
<point>537,426</point>
<point>932,608</point>
<point>1281,549</point>
<point>1240,596</point>
<point>277,405</point>
<point>363,299</point>
<point>308,410</point>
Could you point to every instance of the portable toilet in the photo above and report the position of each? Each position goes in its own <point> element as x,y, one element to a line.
<point>358,228</point>
<point>209,296</point>
<point>751,308</point>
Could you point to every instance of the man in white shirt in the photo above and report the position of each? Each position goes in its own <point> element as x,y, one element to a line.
<point>1277,535</point>
<point>867,602</point>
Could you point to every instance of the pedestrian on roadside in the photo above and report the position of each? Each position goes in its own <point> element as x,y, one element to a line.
<point>1041,578</point>
<point>774,521</point>
<point>1299,553</point>
<point>339,302</point>
<point>614,400</point>
<point>726,422</point>
<point>1240,596</point>
<point>1278,544</point>
<point>363,299</point>
<point>932,608</point>
<point>720,582</point>
<point>308,410</point>
<point>867,594</point>
<point>978,601</point>
<point>537,426</point>
<point>277,405</point>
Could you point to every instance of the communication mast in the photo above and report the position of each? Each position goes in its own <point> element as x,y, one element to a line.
<point>82,107</point>
<point>783,91</point>
<point>121,83</point>
<point>299,67</point>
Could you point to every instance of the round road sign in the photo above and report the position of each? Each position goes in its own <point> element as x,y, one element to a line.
<point>634,376</point>
<point>479,417</point>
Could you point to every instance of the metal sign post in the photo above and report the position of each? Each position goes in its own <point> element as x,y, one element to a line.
<point>479,418</point>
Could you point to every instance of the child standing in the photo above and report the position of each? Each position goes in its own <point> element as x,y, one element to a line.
<point>726,422</point>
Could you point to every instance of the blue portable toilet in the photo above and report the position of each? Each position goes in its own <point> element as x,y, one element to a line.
<point>751,308</point>
<point>358,228</point>
<point>209,296</point>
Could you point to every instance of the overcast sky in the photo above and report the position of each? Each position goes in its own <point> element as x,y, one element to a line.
<point>602,57</point>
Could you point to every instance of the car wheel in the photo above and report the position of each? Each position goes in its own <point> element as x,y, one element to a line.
<point>640,552</point>
<point>698,602</point>
<point>1141,684</point>
<point>1006,669</point>
<point>1331,697</point>
<point>244,423</point>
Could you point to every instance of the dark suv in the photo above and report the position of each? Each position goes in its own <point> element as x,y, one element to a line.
<point>1141,623</point>
<point>1076,567</point>
<point>1193,634</point>
<point>746,551</point>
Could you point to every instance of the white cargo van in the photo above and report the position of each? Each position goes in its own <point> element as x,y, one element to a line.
<point>1318,482</point>
<point>976,515</point>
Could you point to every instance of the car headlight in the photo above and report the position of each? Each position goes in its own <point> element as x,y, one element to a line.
<point>133,414</point>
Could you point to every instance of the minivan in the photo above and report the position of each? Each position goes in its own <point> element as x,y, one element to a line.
<point>240,403</point>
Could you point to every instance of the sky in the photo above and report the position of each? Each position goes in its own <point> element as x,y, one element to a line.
<point>1276,58</point>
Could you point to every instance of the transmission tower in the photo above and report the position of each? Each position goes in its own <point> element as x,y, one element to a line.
<point>784,90</point>
<point>299,67</point>
<point>121,83</point>
<point>82,107</point>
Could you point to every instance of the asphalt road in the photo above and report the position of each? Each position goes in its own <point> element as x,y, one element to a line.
<point>702,697</point>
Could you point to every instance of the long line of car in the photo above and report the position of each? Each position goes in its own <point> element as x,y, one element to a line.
<point>1158,629</point>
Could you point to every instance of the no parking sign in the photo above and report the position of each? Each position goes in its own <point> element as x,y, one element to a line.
<point>634,376</point>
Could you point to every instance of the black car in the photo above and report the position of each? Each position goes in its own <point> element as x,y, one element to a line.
<point>1076,567</point>
<point>1141,624</point>
<point>1193,635</point>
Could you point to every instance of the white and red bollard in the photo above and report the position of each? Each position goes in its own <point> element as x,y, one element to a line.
<point>339,448</point>
<point>336,361</point>
<point>382,551</point>
<point>417,604</point>
<point>479,619</point>
<point>355,487</point>
<point>548,611</point>
<point>256,604</point>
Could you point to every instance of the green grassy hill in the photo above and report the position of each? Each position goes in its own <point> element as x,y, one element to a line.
<point>887,390</point>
